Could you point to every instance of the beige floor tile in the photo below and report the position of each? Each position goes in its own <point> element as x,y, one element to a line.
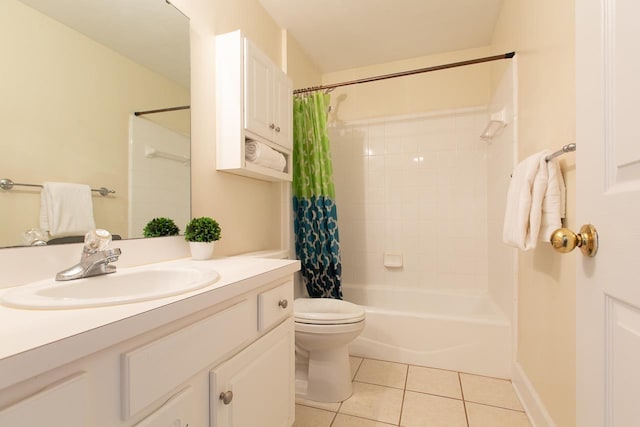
<point>434,381</point>
<point>490,391</point>
<point>355,364</point>
<point>374,402</point>
<point>378,372</point>
<point>327,406</point>
<point>343,420</point>
<point>312,417</point>
<point>489,416</point>
<point>421,410</point>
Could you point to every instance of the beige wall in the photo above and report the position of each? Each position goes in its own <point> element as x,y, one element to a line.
<point>542,33</point>
<point>439,90</point>
<point>248,210</point>
<point>52,128</point>
<point>300,68</point>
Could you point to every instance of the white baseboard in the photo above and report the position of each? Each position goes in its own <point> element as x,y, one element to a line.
<point>536,411</point>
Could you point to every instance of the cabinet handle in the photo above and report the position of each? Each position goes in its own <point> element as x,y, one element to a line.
<point>277,128</point>
<point>283,303</point>
<point>226,397</point>
<point>272,126</point>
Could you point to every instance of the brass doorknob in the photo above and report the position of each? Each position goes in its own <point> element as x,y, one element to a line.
<point>564,240</point>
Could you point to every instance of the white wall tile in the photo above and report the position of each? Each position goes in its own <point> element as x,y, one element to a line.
<point>424,195</point>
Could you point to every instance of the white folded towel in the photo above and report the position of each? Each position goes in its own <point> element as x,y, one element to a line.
<point>535,198</point>
<point>263,155</point>
<point>66,209</point>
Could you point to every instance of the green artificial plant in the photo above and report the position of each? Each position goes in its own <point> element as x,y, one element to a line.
<point>203,229</point>
<point>160,227</point>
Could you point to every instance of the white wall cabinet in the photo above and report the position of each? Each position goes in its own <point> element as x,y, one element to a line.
<point>169,375</point>
<point>254,101</point>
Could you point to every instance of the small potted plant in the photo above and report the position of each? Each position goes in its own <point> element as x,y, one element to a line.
<point>160,227</point>
<point>201,233</point>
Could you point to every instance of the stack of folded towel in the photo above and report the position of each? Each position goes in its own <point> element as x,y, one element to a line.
<point>263,155</point>
<point>535,202</point>
<point>66,209</point>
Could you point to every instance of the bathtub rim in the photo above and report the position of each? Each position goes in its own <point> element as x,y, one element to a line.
<point>496,317</point>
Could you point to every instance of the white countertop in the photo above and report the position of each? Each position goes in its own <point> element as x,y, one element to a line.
<point>42,339</point>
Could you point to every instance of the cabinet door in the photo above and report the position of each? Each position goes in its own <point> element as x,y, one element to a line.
<point>258,92</point>
<point>176,412</point>
<point>283,109</point>
<point>261,380</point>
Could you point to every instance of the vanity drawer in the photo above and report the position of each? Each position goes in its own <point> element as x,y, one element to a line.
<point>50,407</point>
<point>274,305</point>
<point>153,370</point>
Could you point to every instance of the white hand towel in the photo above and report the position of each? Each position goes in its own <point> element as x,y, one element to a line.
<point>553,206</point>
<point>66,209</point>
<point>526,193</point>
<point>263,155</point>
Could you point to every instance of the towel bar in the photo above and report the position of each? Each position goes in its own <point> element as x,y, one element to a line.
<point>7,184</point>
<point>565,149</point>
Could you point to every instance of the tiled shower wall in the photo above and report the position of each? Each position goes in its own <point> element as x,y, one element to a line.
<point>414,186</point>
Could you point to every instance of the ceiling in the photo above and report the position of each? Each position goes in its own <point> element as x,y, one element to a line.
<point>343,34</point>
<point>150,32</point>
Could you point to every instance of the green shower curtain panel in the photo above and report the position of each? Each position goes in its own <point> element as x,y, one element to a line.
<point>317,240</point>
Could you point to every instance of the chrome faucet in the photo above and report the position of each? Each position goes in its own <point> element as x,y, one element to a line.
<point>95,257</point>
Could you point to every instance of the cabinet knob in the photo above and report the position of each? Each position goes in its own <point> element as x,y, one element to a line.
<point>283,303</point>
<point>272,126</point>
<point>226,397</point>
<point>277,128</point>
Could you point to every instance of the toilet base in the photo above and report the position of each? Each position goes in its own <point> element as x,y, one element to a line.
<point>324,376</point>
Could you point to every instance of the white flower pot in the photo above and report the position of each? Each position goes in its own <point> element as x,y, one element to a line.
<point>201,250</point>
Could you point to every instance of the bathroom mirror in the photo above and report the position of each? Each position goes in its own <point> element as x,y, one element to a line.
<point>73,74</point>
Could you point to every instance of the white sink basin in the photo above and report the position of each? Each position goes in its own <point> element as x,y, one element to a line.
<point>122,287</point>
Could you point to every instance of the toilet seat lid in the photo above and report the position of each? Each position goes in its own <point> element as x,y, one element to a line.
<point>326,311</point>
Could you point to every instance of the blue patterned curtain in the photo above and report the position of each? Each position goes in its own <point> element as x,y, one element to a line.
<point>315,216</point>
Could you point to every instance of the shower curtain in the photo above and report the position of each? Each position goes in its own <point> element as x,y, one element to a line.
<point>315,216</point>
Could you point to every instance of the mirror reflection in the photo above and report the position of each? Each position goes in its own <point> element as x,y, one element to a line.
<point>73,75</point>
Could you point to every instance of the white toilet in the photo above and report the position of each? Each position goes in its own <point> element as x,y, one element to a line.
<point>323,329</point>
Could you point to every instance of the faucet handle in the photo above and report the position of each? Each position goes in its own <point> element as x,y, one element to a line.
<point>112,255</point>
<point>96,240</point>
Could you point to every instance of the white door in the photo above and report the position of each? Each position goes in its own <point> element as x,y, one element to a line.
<point>608,175</point>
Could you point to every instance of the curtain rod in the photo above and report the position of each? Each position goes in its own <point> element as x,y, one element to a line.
<point>162,110</point>
<point>407,73</point>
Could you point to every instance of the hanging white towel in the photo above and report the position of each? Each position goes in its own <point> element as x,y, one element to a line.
<point>523,214</point>
<point>66,209</point>
<point>553,206</point>
<point>263,155</point>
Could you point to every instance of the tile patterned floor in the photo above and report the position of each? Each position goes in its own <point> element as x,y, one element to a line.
<point>394,394</point>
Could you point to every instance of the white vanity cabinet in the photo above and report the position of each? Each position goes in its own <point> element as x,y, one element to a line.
<point>49,407</point>
<point>256,387</point>
<point>173,375</point>
<point>254,101</point>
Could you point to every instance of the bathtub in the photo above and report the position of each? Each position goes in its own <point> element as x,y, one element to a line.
<point>455,331</point>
